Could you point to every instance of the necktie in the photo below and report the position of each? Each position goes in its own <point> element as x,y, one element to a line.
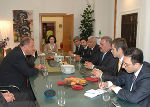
<point>103,56</point>
<point>133,81</point>
<point>119,65</point>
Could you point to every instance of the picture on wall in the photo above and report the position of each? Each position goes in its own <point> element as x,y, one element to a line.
<point>22,24</point>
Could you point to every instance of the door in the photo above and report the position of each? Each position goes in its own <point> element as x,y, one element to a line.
<point>129,28</point>
<point>68,31</point>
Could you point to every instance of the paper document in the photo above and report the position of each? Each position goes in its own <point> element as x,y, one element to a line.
<point>93,93</point>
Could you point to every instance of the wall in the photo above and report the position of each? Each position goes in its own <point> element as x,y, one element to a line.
<point>143,32</point>
<point>103,13</point>
<point>59,31</point>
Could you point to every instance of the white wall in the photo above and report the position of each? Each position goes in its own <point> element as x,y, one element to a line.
<point>103,13</point>
<point>143,32</point>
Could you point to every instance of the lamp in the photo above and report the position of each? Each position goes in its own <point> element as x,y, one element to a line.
<point>5,28</point>
<point>5,31</point>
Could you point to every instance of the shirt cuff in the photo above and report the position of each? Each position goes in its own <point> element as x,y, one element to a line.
<point>109,84</point>
<point>92,67</point>
<point>116,89</point>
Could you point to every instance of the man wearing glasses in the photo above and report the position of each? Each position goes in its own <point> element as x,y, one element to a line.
<point>136,83</point>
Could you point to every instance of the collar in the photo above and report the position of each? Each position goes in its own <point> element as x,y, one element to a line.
<point>78,46</point>
<point>85,47</point>
<point>121,59</point>
<point>137,73</point>
<point>23,53</point>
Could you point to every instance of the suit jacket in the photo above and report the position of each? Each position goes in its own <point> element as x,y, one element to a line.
<point>111,76</point>
<point>3,102</point>
<point>15,69</point>
<point>78,50</point>
<point>21,100</point>
<point>92,55</point>
<point>141,89</point>
<point>31,59</point>
<point>108,64</point>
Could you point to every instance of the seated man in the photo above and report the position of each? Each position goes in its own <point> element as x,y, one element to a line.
<point>78,46</point>
<point>15,68</point>
<point>93,51</point>
<point>84,50</point>
<point>119,46</point>
<point>136,83</point>
<point>106,61</point>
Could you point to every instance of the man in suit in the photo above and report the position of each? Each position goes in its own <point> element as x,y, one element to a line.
<point>93,51</point>
<point>78,46</point>
<point>84,50</point>
<point>136,83</point>
<point>15,69</point>
<point>106,61</point>
<point>119,46</point>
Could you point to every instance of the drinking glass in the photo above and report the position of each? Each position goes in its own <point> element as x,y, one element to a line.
<point>45,72</point>
<point>106,96</point>
<point>49,84</point>
<point>61,98</point>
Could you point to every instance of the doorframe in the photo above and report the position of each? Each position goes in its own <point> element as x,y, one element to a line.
<point>40,23</point>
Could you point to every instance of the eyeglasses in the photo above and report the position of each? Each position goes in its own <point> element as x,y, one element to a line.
<point>126,64</point>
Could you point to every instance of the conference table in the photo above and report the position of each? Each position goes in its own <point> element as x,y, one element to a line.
<point>74,98</point>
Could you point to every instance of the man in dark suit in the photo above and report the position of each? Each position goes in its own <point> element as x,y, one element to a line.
<point>15,69</point>
<point>136,83</point>
<point>93,51</point>
<point>84,50</point>
<point>106,61</point>
<point>78,46</point>
<point>119,46</point>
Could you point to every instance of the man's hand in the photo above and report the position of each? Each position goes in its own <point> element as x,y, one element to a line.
<point>97,73</point>
<point>38,66</point>
<point>103,85</point>
<point>77,57</point>
<point>112,87</point>
<point>88,65</point>
<point>9,97</point>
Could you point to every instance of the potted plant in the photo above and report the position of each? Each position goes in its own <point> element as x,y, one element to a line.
<point>87,21</point>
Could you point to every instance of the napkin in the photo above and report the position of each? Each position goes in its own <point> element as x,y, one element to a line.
<point>61,83</point>
<point>93,93</point>
<point>42,67</point>
<point>92,79</point>
<point>77,87</point>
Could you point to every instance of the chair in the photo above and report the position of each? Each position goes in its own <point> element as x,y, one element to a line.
<point>8,50</point>
<point>1,58</point>
<point>9,88</point>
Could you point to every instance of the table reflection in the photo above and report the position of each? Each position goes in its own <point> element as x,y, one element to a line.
<point>73,98</point>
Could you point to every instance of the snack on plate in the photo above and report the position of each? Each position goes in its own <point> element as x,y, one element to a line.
<point>50,58</point>
<point>63,63</point>
<point>75,81</point>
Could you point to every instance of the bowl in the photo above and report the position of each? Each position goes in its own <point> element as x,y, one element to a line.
<point>67,69</point>
<point>58,58</point>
